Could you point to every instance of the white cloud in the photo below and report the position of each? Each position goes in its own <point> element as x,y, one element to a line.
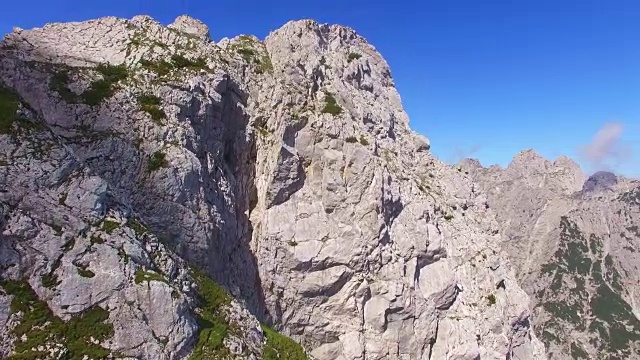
<point>460,153</point>
<point>606,150</point>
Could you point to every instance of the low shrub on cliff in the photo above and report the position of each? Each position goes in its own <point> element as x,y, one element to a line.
<point>60,84</point>
<point>177,62</point>
<point>280,347</point>
<point>104,88</point>
<point>39,329</point>
<point>151,105</point>
<point>331,105</point>
<point>353,56</point>
<point>8,110</point>
<point>211,320</point>
<point>156,161</point>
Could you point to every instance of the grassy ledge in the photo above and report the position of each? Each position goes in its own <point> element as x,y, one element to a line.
<point>9,104</point>
<point>147,276</point>
<point>39,328</point>
<point>152,105</point>
<point>214,327</point>
<point>331,105</point>
<point>280,347</point>
<point>104,88</point>
<point>211,319</point>
<point>176,62</point>
<point>157,161</point>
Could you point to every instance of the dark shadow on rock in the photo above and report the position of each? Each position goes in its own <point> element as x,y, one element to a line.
<point>602,180</point>
<point>227,157</point>
<point>200,212</point>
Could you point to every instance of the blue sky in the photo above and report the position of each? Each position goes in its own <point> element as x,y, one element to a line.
<point>480,78</point>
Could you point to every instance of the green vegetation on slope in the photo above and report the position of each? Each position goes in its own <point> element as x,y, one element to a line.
<point>604,313</point>
<point>177,62</point>
<point>280,347</point>
<point>331,105</point>
<point>211,319</point>
<point>353,56</point>
<point>9,104</point>
<point>39,327</point>
<point>104,88</point>
<point>60,84</point>
<point>151,104</point>
<point>631,197</point>
<point>214,327</point>
<point>137,227</point>
<point>98,90</point>
<point>50,279</point>
<point>146,276</point>
<point>109,226</point>
<point>157,161</point>
<point>245,47</point>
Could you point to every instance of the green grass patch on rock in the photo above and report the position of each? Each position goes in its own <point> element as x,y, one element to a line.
<point>50,279</point>
<point>264,64</point>
<point>84,272</point>
<point>161,67</point>
<point>96,239</point>
<point>157,160</point>
<point>109,226</point>
<point>39,328</point>
<point>181,62</point>
<point>211,318</point>
<point>9,104</point>
<point>491,299</point>
<point>104,88</point>
<point>281,347</point>
<point>176,62</point>
<point>331,105</point>
<point>142,276</point>
<point>151,104</point>
<point>353,56</point>
<point>60,84</point>
<point>253,52</point>
<point>137,227</point>
<point>214,326</point>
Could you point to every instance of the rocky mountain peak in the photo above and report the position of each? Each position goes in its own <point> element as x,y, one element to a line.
<point>528,161</point>
<point>574,243</point>
<point>191,26</point>
<point>568,174</point>
<point>599,181</point>
<point>184,195</point>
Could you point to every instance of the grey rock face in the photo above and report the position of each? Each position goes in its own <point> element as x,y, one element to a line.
<point>368,237</point>
<point>285,169</point>
<point>575,245</point>
<point>191,26</point>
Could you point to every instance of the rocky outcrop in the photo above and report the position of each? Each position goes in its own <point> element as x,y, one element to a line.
<point>574,241</point>
<point>285,170</point>
<point>602,180</point>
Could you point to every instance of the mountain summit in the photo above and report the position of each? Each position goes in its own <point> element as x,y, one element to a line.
<point>169,197</point>
<point>576,245</point>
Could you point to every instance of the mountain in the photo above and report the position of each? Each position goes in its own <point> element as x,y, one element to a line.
<point>575,245</point>
<point>165,196</point>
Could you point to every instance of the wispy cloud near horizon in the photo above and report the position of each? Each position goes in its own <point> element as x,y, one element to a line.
<point>607,150</point>
<point>460,153</point>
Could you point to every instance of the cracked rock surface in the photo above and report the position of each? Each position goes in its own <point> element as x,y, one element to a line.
<point>283,169</point>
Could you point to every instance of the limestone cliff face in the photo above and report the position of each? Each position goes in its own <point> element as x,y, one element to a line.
<point>284,170</point>
<point>576,246</point>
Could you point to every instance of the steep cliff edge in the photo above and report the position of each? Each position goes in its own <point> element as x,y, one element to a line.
<point>576,248</point>
<point>285,170</point>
